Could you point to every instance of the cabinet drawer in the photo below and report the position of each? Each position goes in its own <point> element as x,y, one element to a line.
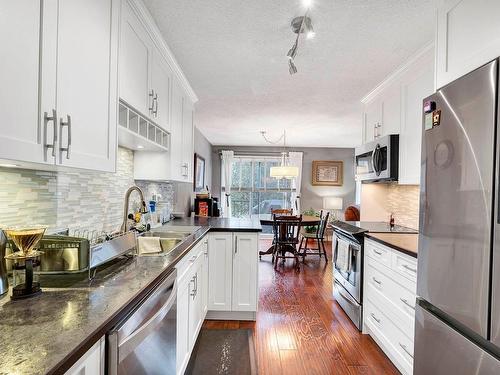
<point>397,302</point>
<point>378,252</point>
<point>397,346</point>
<point>405,266</point>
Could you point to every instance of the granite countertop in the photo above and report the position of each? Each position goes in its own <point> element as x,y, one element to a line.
<point>404,242</point>
<point>359,227</point>
<point>49,332</point>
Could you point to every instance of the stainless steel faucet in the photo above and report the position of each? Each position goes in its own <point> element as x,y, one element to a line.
<point>144,210</point>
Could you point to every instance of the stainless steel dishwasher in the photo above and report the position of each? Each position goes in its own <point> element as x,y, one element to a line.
<point>145,341</point>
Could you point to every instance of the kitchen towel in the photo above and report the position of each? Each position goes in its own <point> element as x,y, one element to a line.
<point>149,245</point>
<point>343,261</point>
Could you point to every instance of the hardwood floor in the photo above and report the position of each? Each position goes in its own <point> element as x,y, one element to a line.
<point>300,329</point>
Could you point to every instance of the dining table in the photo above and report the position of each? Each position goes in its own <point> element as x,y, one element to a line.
<point>267,219</point>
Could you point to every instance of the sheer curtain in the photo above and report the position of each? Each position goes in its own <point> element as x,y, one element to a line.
<point>227,171</point>
<point>295,159</point>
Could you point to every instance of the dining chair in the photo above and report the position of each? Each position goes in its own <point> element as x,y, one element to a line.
<point>318,236</point>
<point>286,230</point>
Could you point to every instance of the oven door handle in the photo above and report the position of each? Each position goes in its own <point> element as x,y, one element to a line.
<point>129,343</point>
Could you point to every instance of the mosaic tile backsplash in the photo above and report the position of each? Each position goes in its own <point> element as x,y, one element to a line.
<point>378,201</point>
<point>78,200</point>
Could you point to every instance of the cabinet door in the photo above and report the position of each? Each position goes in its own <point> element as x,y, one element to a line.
<point>135,56</point>
<point>204,285</point>
<point>160,84</point>
<point>22,130</point>
<point>410,139</point>
<point>245,273</point>
<point>176,143</point>
<point>220,268</point>
<point>87,83</point>
<point>92,362</point>
<point>468,36</point>
<point>194,309</point>
<point>391,111</point>
<point>187,141</point>
<point>373,118</point>
<point>182,346</point>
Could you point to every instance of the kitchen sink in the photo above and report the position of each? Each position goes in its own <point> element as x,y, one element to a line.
<point>169,238</point>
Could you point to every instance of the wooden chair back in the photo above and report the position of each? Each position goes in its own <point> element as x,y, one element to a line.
<point>286,229</point>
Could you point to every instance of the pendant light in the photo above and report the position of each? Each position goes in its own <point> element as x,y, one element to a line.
<point>284,170</point>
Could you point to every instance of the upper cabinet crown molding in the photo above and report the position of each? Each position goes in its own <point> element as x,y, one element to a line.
<point>467,37</point>
<point>393,78</point>
<point>155,34</point>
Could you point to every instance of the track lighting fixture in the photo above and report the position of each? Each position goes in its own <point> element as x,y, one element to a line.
<point>299,25</point>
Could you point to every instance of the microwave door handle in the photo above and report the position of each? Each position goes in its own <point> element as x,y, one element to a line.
<point>375,160</point>
<point>129,344</point>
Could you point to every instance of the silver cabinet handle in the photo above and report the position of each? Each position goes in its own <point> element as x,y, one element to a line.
<point>405,348</point>
<point>405,301</point>
<point>196,284</point>
<point>68,147</point>
<point>377,252</point>
<point>155,105</point>
<point>374,317</point>
<point>377,281</point>
<point>410,268</point>
<point>193,258</point>
<point>235,245</point>
<point>46,119</point>
<point>152,101</point>
<point>192,293</point>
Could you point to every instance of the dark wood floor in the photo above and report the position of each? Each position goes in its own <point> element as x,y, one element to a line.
<point>300,329</point>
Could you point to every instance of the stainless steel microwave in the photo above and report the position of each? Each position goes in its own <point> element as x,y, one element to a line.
<point>377,161</point>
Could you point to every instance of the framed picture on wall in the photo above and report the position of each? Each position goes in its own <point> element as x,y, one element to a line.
<point>327,173</point>
<point>199,173</point>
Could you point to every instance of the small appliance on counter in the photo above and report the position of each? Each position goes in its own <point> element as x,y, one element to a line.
<point>26,259</point>
<point>206,207</point>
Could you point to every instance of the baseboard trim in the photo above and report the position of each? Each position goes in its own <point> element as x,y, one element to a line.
<point>231,315</point>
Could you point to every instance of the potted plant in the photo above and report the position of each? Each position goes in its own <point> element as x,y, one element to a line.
<point>311,212</point>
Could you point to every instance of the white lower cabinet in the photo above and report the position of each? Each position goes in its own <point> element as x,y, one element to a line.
<point>233,275</point>
<point>92,362</point>
<point>389,302</point>
<point>191,297</point>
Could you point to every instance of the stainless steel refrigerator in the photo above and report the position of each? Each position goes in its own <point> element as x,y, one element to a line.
<point>457,321</point>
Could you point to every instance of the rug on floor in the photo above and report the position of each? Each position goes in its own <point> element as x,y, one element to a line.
<point>223,352</point>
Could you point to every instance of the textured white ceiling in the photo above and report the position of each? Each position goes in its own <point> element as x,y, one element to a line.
<point>233,52</point>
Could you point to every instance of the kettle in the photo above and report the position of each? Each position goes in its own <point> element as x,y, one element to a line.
<point>4,282</point>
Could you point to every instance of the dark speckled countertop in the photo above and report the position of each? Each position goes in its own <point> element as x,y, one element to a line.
<point>48,333</point>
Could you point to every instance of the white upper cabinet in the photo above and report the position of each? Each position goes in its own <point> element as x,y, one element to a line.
<point>187,141</point>
<point>87,65</point>
<point>135,56</point>
<point>59,89</point>
<point>161,78</point>
<point>395,107</point>
<point>21,129</point>
<point>417,85</point>
<point>468,36</point>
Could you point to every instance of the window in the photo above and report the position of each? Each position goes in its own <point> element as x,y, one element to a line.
<point>253,190</point>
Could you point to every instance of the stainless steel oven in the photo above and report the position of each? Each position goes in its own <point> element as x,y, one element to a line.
<point>377,161</point>
<point>144,342</point>
<point>347,281</point>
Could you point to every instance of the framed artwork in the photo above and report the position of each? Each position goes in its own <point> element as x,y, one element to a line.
<point>199,173</point>
<point>327,173</point>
